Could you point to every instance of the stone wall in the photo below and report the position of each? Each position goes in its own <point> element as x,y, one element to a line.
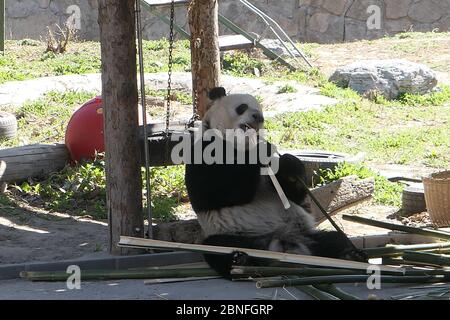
<point>324,21</point>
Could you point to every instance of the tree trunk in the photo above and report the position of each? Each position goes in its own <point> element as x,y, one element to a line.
<point>205,52</point>
<point>120,100</point>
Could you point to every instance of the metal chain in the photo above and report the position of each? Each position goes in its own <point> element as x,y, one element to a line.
<point>195,115</point>
<point>169,79</point>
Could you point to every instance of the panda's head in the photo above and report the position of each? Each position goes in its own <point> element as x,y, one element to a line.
<point>234,111</point>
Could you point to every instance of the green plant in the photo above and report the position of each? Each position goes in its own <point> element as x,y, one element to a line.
<point>287,88</point>
<point>240,64</point>
<point>436,98</point>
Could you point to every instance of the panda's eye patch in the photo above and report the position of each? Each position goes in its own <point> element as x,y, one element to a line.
<point>241,108</point>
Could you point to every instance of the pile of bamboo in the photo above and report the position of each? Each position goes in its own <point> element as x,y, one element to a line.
<point>315,276</point>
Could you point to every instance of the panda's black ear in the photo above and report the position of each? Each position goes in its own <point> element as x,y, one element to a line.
<point>217,93</point>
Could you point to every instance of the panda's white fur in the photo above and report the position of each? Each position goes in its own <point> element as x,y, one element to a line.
<point>263,215</point>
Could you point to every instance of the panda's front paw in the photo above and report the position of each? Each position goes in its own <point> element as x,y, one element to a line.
<point>353,255</point>
<point>291,166</point>
<point>239,258</point>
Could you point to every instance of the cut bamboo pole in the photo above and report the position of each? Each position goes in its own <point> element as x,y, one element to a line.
<point>386,225</point>
<point>427,271</point>
<point>250,271</point>
<point>344,279</point>
<point>427,258</point>
<point>335,291</point>
<point>397,250</point>
<point>279,256</point>
<point>119,274</point>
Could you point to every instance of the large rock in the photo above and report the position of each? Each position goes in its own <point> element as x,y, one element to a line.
<point>388,77</point>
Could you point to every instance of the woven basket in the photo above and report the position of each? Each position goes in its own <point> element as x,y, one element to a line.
<point>437,197</point>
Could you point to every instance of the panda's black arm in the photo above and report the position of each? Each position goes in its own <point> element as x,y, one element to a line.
<point>290,170</point>
<point>219,185</point>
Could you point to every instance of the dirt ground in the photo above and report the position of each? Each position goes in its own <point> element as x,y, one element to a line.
<point>28,234</point>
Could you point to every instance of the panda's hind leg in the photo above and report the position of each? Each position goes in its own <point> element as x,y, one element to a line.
<point>222,263</point>
<point>330,244</point>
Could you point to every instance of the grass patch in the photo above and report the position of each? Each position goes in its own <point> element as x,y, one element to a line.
<point>180,96</point>
<point>393,132</point>
<point>45,120</point>
<point>239,63</point>
<point>27,59</point>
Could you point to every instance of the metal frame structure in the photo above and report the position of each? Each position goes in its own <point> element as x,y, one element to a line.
<point>270,23</point>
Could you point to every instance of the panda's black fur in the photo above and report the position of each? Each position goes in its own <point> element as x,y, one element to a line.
<point>220,193</point>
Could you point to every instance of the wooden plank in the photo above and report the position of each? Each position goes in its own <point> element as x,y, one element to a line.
<point>279,256</point>
<point>37,160</point>
<point>234,42</point>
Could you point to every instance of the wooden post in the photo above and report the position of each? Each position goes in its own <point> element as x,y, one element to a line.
<point>205,52</point>
<point>120,100</point>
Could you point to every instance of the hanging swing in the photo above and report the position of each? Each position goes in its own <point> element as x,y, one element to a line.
<point>156,138</point>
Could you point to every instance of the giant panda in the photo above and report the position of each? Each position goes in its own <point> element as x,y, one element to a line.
<point>236,206</point>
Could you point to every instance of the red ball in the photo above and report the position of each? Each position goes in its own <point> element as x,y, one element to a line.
<point>84,133</point>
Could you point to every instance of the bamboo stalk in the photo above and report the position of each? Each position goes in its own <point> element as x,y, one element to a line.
<point>427,258</point>
<point>250,271</point>
<point>414,272</point>
<point>397,250</point>
<point>279,256</point>
<point>316,293</point>
<point>335,291</point>
<point>386,225</point>
<point>345,279</point>
<point>119,274</point>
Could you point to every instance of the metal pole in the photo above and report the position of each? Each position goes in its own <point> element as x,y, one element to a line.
<point>144,118</point>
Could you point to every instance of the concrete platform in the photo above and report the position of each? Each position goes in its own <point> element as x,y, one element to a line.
<point>214,289</point>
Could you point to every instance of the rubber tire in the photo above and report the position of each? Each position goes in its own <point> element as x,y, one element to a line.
<point>320,159</point>
<point>413,200</point>
<point>8,125</point>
